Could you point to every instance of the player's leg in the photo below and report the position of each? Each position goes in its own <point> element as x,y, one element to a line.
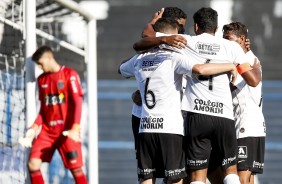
<point>172,157</point>
<point>135,118</point>
<point>135,121</point>
<point>35,174</point>
<point>215,171</point>
<point>252,180</point>
<point>250,158</point>
<point>146,181</point>
<point>146,156</point>
<point>79,176</point>
<point>228,145</point>
<point>71,154</point>
<point>42,151</point>
<point>231,176</point>
<point>198,130</point>
<point>199,175</point>
<point>245,176</point>
<point>245,159</point>
<point>216,176</point>
<point>187,180</point>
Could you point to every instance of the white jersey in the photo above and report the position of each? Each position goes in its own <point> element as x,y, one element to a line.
<point>247,102</point>
<point>211,94</point>
<point>159,77</point>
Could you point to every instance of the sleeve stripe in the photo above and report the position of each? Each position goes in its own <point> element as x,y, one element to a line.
<point>242,68</point>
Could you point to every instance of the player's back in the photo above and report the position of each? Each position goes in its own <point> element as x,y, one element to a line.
<point>160,86</point>
<point>211,94</point>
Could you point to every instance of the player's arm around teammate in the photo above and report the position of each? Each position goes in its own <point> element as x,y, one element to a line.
<point>252,75</point>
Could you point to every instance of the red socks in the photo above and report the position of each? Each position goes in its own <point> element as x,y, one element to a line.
<point>80,179</point>
<point>36,177</point>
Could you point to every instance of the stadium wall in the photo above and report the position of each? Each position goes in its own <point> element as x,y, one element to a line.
<point>126,20</point>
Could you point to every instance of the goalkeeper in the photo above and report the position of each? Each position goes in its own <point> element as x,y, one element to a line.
<point>60,96</point>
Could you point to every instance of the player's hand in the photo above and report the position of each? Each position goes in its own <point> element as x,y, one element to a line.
<point>175,41</point>
<point>73,133</point>
<point>156,16</point>
<point>136,98</point>
<point>26,141</point>
<point>248,44</point>
<point>234,73</point>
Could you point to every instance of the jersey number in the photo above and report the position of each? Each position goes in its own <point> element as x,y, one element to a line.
<point>207,77</point>
<point>149,93</point>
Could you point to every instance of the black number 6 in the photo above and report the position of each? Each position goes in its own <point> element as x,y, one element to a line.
<point>149,92</point>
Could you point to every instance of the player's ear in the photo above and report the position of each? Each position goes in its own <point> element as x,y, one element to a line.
<point>242,39</point>
<point>196,27</point>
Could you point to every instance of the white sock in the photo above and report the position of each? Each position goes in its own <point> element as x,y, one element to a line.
<point>231,179</point>
<point>197,182</point>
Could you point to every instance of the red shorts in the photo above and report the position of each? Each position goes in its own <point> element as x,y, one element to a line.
<point>45,145</point>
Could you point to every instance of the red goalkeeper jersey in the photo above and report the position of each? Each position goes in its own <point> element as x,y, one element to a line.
<point>60,96</point>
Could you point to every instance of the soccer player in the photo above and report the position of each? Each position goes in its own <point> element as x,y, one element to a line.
<point>249,119</point>
<point>207,100</point>
<point>60,96</point>
<point>168,12</point>
<point>159,76</point>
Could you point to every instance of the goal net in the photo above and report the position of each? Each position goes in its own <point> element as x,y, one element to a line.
<point>12,109</point>
<point>50,25</point>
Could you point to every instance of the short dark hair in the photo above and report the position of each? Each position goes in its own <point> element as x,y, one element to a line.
<point>237,28</point>
<point>164,24</point>
<point>174,12</point>
<point>206,19</point>
<point>39,52</point>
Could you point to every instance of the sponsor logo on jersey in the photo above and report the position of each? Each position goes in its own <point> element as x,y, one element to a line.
<point>151,123</point>
<point>149,65</point>
<point>60,84</point>
<point>73,84</point>
<point>54,99</point>
<point>44,86</point>
<point>242,152</point>
<point>56,122</point>
<point>228,160</point>
<point>208,106</point>
<point>207,48</point>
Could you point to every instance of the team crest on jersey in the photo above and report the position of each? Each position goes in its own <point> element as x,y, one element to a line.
<point>207,48</point>
<point>60,84</point>
<point>242,152</point>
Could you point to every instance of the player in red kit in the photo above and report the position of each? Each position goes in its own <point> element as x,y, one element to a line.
<point>60,96</point>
